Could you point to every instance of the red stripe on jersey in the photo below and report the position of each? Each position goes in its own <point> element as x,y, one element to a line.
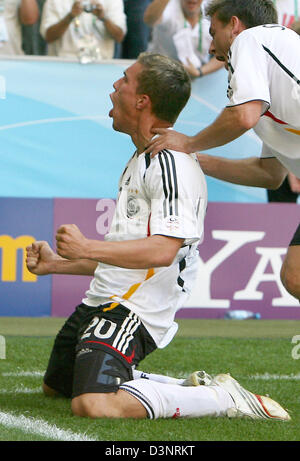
<point>269,114</point>
<point>128,359</point>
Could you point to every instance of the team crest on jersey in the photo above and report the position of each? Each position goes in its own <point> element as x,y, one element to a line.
<point>133,206</point>
<point>172,223</point>
<point>229,92</point>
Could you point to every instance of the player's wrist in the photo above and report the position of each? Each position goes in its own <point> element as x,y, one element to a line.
<point>88,249</point>
<point>190,144</point>
<point>55,265</point>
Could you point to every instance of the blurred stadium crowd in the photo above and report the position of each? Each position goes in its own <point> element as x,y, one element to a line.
<point>97,30</point>
<point>93,30</point>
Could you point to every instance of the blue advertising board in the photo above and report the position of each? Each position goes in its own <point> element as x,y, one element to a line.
<point>23,221</point>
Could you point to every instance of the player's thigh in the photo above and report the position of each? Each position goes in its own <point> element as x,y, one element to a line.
<point>110,345</point>
<point>120,404</point>
<point>98,371</point>
<point>60,370</point>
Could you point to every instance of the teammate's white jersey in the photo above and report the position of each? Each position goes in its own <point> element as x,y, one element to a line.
<point>165,195</point>
<point>264,64</point>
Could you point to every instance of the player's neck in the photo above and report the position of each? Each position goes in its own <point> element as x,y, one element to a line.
<point>144,134</point>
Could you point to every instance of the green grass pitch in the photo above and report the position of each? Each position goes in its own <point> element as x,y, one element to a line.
<point>256,352</point>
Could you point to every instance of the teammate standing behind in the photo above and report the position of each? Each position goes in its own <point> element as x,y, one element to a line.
<point>288,14</point>
<point>263,62</point>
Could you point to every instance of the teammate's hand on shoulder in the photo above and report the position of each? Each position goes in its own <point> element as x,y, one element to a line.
<point>168,139</point>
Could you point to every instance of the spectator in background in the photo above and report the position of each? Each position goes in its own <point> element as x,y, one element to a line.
<point>68,25</point>
<point>296,27</point>
<point>181,32</point>
<point>32,41</point>
<point>138,33</point>
<point>14,13</point>
<point>288,15</point>
<point>288,11</point>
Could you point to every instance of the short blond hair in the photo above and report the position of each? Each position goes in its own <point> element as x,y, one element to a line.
<point>167,84</point>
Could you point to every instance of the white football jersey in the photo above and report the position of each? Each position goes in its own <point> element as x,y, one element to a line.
<point>264,64</point>
<point>165,195</point>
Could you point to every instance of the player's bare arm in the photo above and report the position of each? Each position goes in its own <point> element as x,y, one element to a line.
<point>57,30</point>
<point>268,173</point>
<point>153,251</point>
<point>154,11</point>
<point>42,260</point>
<point>232,123</point>
<point>113,29</point>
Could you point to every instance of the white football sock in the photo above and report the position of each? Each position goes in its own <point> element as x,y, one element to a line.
<point>168,401</point>
<point>137,374</point>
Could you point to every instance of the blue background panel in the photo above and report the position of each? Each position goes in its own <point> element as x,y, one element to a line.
<point>57,139</point>
<point>20,294</point>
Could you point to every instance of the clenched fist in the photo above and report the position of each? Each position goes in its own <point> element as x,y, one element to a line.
<point>40,258</point>
<point>71,243</point>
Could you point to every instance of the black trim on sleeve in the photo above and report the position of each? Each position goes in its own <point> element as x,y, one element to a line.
<point>170,184</point>
<point>147,164</point>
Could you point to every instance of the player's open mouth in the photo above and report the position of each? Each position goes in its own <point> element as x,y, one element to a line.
<point>110,114</point>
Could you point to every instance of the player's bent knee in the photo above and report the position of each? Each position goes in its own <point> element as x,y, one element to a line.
<point>48,391</point>
<point>291,282</point>
<point>96,406</point>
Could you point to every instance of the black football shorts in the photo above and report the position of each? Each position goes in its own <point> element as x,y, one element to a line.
<point>96,350</point>
<point>296,238</point>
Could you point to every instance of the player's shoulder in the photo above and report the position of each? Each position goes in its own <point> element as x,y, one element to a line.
<point>175,158</point>
<point>260,32</point>
<point>169,160</point>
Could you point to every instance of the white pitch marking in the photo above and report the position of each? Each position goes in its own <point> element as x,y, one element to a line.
<point>21,390</point>
<point>52,120</point>
<point>40,427</point>
<point>22,373</point>
<point>269,377</point>
<point>265,376</point>
<point>206,103</point>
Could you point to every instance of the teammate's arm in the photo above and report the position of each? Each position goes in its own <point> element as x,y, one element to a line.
<point>229,125</point>
<point>153,251</point>
<point>268,173</point>
<point>42,260</point>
